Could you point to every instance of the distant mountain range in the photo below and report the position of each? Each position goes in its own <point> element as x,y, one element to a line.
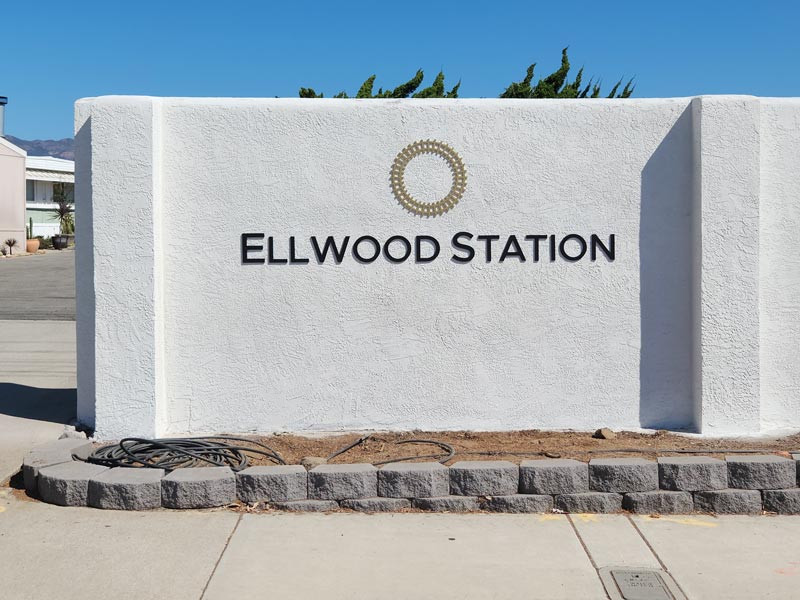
<point>59,148</point>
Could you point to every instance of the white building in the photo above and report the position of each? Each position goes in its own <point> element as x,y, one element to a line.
<point>12,184</point>
<point>44,176</point>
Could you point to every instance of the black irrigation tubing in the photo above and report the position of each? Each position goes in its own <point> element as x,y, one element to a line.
<point>175,453</point>
<point>509,453</point>
<point>450,452</point>
<point>360,440</point>
<point>442,459</point>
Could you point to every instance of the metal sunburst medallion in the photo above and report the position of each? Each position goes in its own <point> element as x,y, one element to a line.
<point>454,163</point>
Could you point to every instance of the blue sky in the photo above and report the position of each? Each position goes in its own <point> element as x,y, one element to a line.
<point>56,52</point>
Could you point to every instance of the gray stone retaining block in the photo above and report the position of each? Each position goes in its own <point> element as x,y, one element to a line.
<point>761,472</point>
<point>784,502</point>
<point>484,478</point>
<point>553,476</point>
<point>589,502</point>
<point>376,504</point>
<point>306,505</point>
<point>67,484</point>
<point>728,502</point>
<point>520,503</point>
<point>447,504</point>
<point>52,453</point>
<point>692,473</point>
<point>660,502</point>
<point>413,480</point>
<point>199,487</point>
<point>126,488</point>
<point>272,483</point>
<point>623,475</point>
<point>340,482</point>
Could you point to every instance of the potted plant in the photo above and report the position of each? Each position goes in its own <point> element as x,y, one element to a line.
<point>66,221</point>
<point>32,243</point>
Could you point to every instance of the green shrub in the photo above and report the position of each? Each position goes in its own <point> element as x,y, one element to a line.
<point>555,85</point>
<point>45,243</point>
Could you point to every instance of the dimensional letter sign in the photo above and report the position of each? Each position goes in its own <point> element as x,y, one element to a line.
<point>259,265</point>
<point>572,247</point>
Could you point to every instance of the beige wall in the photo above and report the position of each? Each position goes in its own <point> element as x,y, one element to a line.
<point>12,194</point>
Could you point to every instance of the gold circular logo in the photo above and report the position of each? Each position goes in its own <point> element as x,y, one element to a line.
<point>454,162</point>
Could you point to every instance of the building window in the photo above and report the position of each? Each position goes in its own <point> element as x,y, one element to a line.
<point>29,190</point>
<point>64,191</point>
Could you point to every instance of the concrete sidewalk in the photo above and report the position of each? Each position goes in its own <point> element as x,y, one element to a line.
<point>52,552</point>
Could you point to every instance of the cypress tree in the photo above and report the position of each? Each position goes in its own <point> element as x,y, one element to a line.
<point>555,85</point>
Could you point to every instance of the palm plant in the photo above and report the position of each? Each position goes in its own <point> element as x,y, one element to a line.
<point>11,242</point>
<point>64,216</point>
<point>64,213</point>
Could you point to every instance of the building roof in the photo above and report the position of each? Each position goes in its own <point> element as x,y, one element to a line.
<point>49,163</point>
<point>11,148</point>
<point>49,168</point>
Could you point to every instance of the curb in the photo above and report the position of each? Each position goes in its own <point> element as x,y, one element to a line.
<point>737,485</point>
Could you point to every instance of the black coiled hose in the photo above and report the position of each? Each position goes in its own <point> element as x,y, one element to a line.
<point>178,453</point>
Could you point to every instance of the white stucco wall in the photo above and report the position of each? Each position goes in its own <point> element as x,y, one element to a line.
<point>176,335</point>
<point>779,276</point>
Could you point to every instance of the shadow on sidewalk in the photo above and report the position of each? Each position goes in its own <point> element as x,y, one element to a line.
<point>40,404</point>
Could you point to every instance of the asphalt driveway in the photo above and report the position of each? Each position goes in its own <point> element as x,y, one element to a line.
<point>37,357</point>
<point>38,287</point>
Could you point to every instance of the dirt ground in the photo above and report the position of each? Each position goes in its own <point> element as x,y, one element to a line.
<point>513,446</point>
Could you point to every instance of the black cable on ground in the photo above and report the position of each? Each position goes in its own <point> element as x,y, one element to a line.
<point>360,440</point>
<point>511,453</point>
<point>449,451</point>
<point>176,453</point>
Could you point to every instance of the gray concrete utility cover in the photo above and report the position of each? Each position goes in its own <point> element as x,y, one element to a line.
<point>640,585</point>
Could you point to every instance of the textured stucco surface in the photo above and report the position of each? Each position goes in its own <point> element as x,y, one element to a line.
<point>779,276</point>
<point>727,358</point>
<point>180,337</point>
<point>126,365</point>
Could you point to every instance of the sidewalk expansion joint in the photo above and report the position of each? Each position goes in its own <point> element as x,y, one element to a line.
<point>586,550</point>
<point>221,554</point>
<point>654,553</point>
